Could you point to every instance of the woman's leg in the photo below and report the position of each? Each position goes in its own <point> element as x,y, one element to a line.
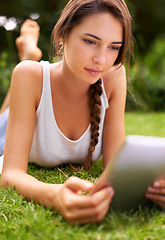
<point>27,41</point>
<point>27,49</point>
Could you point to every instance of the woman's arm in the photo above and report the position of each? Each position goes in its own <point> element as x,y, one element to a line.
<point>114,126</point>
<point>25,91</point>
<point>26,88</point>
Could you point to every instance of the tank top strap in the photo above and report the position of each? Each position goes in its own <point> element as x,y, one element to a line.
<point>46,75</point>
<point>46,97</point>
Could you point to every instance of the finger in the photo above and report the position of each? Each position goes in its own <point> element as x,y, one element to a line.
<point>76,183</point>
<point>153,190</point>
<point>159,184</point>
<point>155,197</point>
<point>90,214</point>
<point>102,194</point>
<point>85,221</point>
<point>74,201</point>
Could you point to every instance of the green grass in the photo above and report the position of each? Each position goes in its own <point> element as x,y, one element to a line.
<point>151,124</point>
<point>20,219</point>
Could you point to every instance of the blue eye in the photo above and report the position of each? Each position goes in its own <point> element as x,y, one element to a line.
<point>89,42</point>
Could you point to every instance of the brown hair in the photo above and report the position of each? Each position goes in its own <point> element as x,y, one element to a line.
<point>72,15</point>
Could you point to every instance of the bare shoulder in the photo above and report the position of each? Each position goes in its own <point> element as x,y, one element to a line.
<point>27,76</point>
<point>115,79</point>
<point>28,68</point>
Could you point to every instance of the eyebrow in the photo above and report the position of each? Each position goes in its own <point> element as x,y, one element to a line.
<point>94,36</point>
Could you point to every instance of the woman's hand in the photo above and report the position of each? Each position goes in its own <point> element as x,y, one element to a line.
<point>156,192</point>
<point>77,208</point>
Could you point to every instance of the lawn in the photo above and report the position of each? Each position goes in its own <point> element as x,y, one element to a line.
<point>20,219</point>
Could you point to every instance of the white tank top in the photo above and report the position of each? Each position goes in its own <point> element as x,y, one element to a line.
<point>50,146</point>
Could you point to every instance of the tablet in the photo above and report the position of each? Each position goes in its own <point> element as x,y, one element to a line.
<point>139,161</point>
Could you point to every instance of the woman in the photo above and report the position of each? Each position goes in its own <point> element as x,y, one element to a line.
<point>71,111</point>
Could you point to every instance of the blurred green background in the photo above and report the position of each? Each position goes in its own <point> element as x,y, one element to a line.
<point>147,73</point>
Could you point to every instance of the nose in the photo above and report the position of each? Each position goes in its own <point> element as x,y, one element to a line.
<point>100,57</point>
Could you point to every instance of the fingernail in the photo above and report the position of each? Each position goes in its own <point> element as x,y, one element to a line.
<point>111,191</point>
<point>156,184</point>
<point>150,189</point>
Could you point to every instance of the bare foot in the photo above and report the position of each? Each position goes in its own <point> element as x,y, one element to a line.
<point>27,41</point>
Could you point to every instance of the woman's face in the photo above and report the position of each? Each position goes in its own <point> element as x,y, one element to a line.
<point>92,47</point>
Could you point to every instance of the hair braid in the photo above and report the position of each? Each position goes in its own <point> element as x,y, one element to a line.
<point>95,92</point>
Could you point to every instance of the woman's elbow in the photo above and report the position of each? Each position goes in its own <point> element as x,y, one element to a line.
<point>6,179</point>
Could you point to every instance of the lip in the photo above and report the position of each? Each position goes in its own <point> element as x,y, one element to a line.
<point>93,72</point>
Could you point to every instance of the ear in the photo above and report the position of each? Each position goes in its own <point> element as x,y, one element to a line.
<point>62,40</point>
